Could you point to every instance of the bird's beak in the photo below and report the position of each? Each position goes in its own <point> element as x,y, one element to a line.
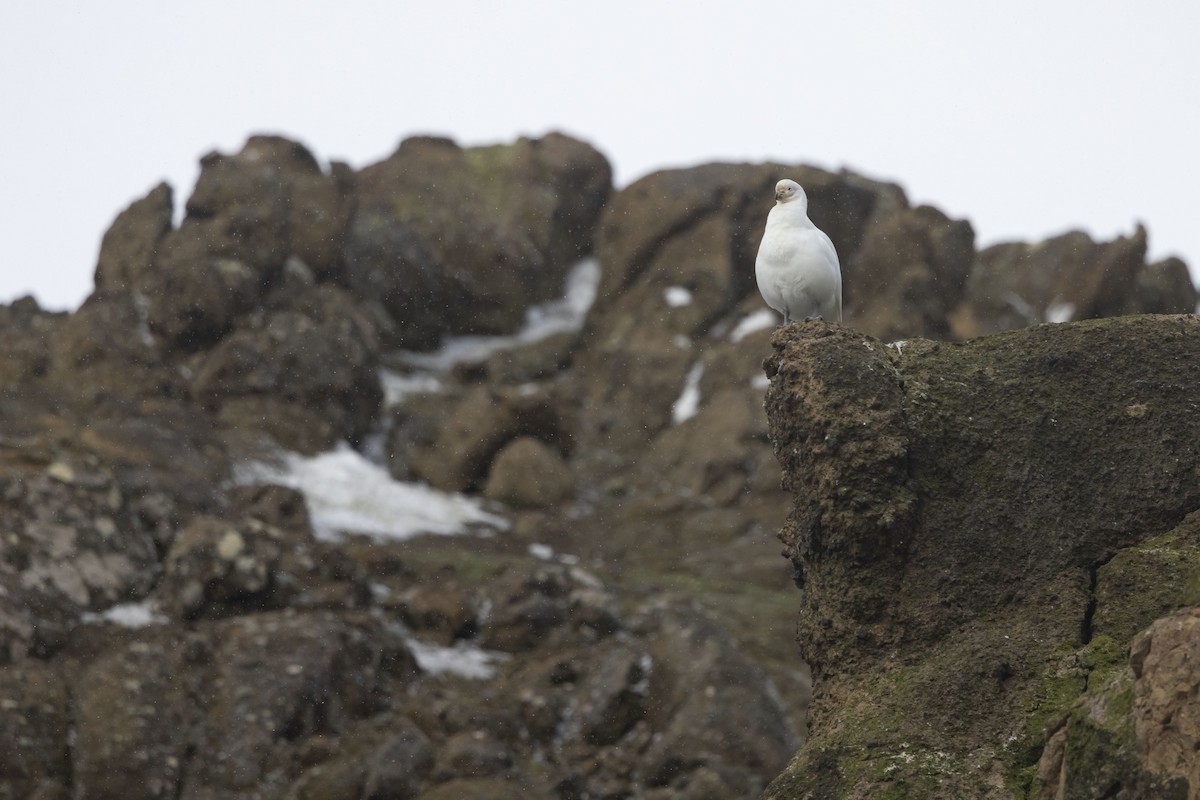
<point>778,196</point>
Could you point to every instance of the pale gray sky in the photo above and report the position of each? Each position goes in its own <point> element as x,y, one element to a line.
<point>1028,118</point>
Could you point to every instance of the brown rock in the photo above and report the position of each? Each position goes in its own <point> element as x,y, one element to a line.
<point>133,715</point>
<point>473,754</point>
<point>440,610</point>
<point>528,474</point>
<point>130,245</point>
<point>216,568</point>
<point>27,331</point>
<point>909,273</point>
<point>322,356</point>
<point>34,724</point>
<point>280,677</point>
<point>464,240</point>
<point>479,427</point>
<point>396,768</point>
<point>614,695</point>
<point>1166,665</point>
<point>696,229</point>
<point>953,501</point>
<point>319,204</point>
<point>73,543</point>
<point>1164,287</point>
<point>1068,277</point>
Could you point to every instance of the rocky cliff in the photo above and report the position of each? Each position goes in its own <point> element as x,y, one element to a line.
<point>449,477</point>
<point>979,530</point>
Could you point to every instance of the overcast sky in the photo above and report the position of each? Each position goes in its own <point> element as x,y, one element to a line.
<point>1027,118</point>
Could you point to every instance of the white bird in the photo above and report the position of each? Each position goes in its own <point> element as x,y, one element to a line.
<point>797,266</point>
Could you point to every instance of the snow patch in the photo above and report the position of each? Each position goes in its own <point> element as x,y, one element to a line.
<point>677,296</point>
<point>541,321</point>
<point>760,382</point>
<point>463,660</point>
<point>1060,312</point>
<point>689,399</point>
<point>763,318</point>
<point>128,615</point>
<point>346,493</point>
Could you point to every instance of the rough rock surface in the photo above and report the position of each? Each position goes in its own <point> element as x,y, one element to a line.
<point>454,240</point>
<point>953,503</point>
<point>628,630</point>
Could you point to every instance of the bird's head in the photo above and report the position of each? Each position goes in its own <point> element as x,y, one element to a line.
<point>787,190</point>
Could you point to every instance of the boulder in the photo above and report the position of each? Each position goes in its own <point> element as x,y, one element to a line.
<point>320,355</point>
<point>396,768</point>
<point>216,568</point>
<point>247,214</point>
<point>473,754</point>
<point>712,707</point>
<point>463,240</point>
<point>527,473</point>
<point>481,424</point>
<point>1164,287</point>
<point>548,604</point>
<point>278,678</point>
<point>319,204</point>
<point>133,716</point>
<point>34,729</point>
<point>909,274</point>
<point>1166,668</point>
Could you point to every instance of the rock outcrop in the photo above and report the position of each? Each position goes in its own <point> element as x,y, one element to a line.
<point>955,510</point>
<point>979,529</point>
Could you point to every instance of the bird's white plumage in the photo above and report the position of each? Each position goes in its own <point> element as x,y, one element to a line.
<point>797,267</point>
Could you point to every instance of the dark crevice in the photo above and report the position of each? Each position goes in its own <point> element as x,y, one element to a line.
<point>1089,611</point>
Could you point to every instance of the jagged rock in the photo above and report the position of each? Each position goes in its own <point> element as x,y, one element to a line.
<point>319,205</point>
<point>396,767</point>
<point>216,568</point>
<point>1166,667</point>
<point>614,695</point>
<point>1067,277</point>
<point>714,709</point>
<point>441,610</point>
<point>486,420</point>
<point>129,246</point>
<point>73,542</point>
<point>953,500</point>
<point>1164,287</point>
<point>454,240</point>
<point>528,609</point>
<point>132,720</point>
<point>105,350</point>
<point>910,272</point>
<point>678,250</point>
<point>526,473</point>
<point>473,754</point>
<point>34,720</point>
<point>280,677</point>
<point>28,331</point>
<point>322,355</point>
<point>1142,583</point>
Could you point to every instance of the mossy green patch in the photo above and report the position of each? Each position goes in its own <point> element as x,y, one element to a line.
<point>1140,584</point>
